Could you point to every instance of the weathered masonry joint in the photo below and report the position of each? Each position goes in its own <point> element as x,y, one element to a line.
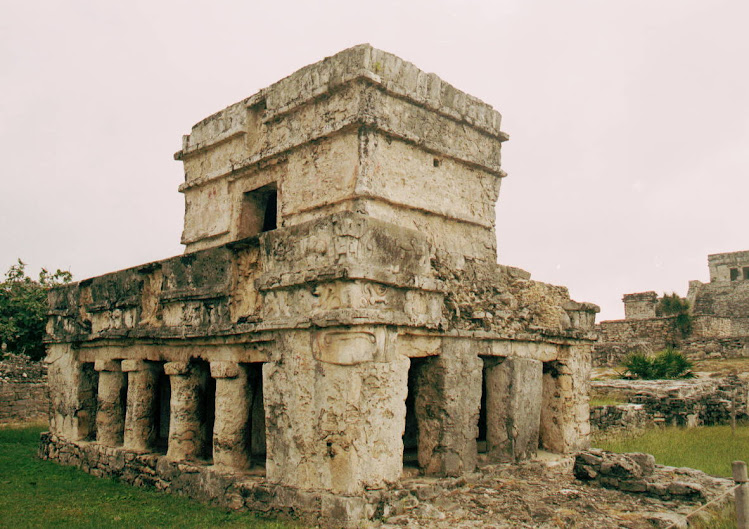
<point>338,321</point>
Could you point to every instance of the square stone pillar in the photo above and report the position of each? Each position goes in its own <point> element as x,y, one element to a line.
<point>565,413</point>
<point>140,416</point>
<point>232,423</point>
<point>513,408</point>
<point>185,429</point>
<point>448,398</point>
<point>110,413</point>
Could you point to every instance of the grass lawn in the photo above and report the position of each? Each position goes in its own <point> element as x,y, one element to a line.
<point>38,494</point>
<point>711,449</point>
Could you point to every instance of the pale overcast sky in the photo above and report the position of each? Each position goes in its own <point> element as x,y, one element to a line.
<point>629,122</point>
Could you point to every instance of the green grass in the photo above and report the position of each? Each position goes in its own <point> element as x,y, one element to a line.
<point>711,449</point>
<point>606,401</point>
<point>37,494</point>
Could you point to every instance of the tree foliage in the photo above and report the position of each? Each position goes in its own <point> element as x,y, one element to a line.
<point>23,309</point>
<point>667,364</point>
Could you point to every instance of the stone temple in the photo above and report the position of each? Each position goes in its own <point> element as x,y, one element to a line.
<point>338,321</point>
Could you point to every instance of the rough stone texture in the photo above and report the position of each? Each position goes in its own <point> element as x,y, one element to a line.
<point>530,495</point>
<point>720,318</point>
<point>140,420</point>
<point>638,473</point>
<point>24,394</point>
<point>22,402</point>
<point>620,419</point>
<point>640,306</point>
<point>692,402</point>
<point>513,405</point>
<point>345,310</point>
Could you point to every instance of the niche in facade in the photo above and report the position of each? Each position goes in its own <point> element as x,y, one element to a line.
<point>258,211</point>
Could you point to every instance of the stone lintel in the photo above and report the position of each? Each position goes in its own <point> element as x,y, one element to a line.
<point>136,365</point>
<point>107,365</point>
<point>224,369</point>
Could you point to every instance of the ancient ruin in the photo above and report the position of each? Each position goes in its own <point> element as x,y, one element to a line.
<point>338,320</point>
<point>719,318</point>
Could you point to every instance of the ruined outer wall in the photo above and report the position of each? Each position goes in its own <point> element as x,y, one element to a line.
<point>618,338</point>
<point>23,402</point>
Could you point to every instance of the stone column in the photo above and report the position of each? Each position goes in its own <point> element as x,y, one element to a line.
<point>110,414</point>
<point>513,408</point>
<point>565,413</point>
<point>185,430</point>
<point>233,405</point>
<point>140,417</point>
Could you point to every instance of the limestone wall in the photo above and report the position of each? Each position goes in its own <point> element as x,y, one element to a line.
<point>618,338</point>
<point>671,402</point>
<point>23,402</point>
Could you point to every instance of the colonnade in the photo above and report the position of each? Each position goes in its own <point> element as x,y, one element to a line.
<point>209,410</point>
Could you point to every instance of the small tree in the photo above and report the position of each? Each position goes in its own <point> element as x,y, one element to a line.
<point>23,309</point>
<point>674,305</point>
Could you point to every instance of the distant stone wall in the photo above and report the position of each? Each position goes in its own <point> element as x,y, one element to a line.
<point>23,402</point>
<point>711,337</point>
<point>670,402</point>
<point>618,338</point>
<point>24,395</point>
<point>613,420</point>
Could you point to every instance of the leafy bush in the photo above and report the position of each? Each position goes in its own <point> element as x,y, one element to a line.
<point>23,309</point>
<point>667,364</point>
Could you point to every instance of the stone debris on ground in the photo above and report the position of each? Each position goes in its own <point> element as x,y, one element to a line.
<point>545,494</point>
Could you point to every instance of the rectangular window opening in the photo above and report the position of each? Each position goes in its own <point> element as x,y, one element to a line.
<point>258,211</point>
<point>734,274</point>
<point>746,273</point>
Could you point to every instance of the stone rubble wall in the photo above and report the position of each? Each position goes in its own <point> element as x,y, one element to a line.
<point>24,395</point>
<point>711,337</point>
<point>699,402</point>
<point>615,419</point>
<point>618,338</point>
<point>23,402</point>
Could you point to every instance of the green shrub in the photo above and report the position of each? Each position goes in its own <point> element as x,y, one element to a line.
<point>666,364</point>
<point>673,305</point>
